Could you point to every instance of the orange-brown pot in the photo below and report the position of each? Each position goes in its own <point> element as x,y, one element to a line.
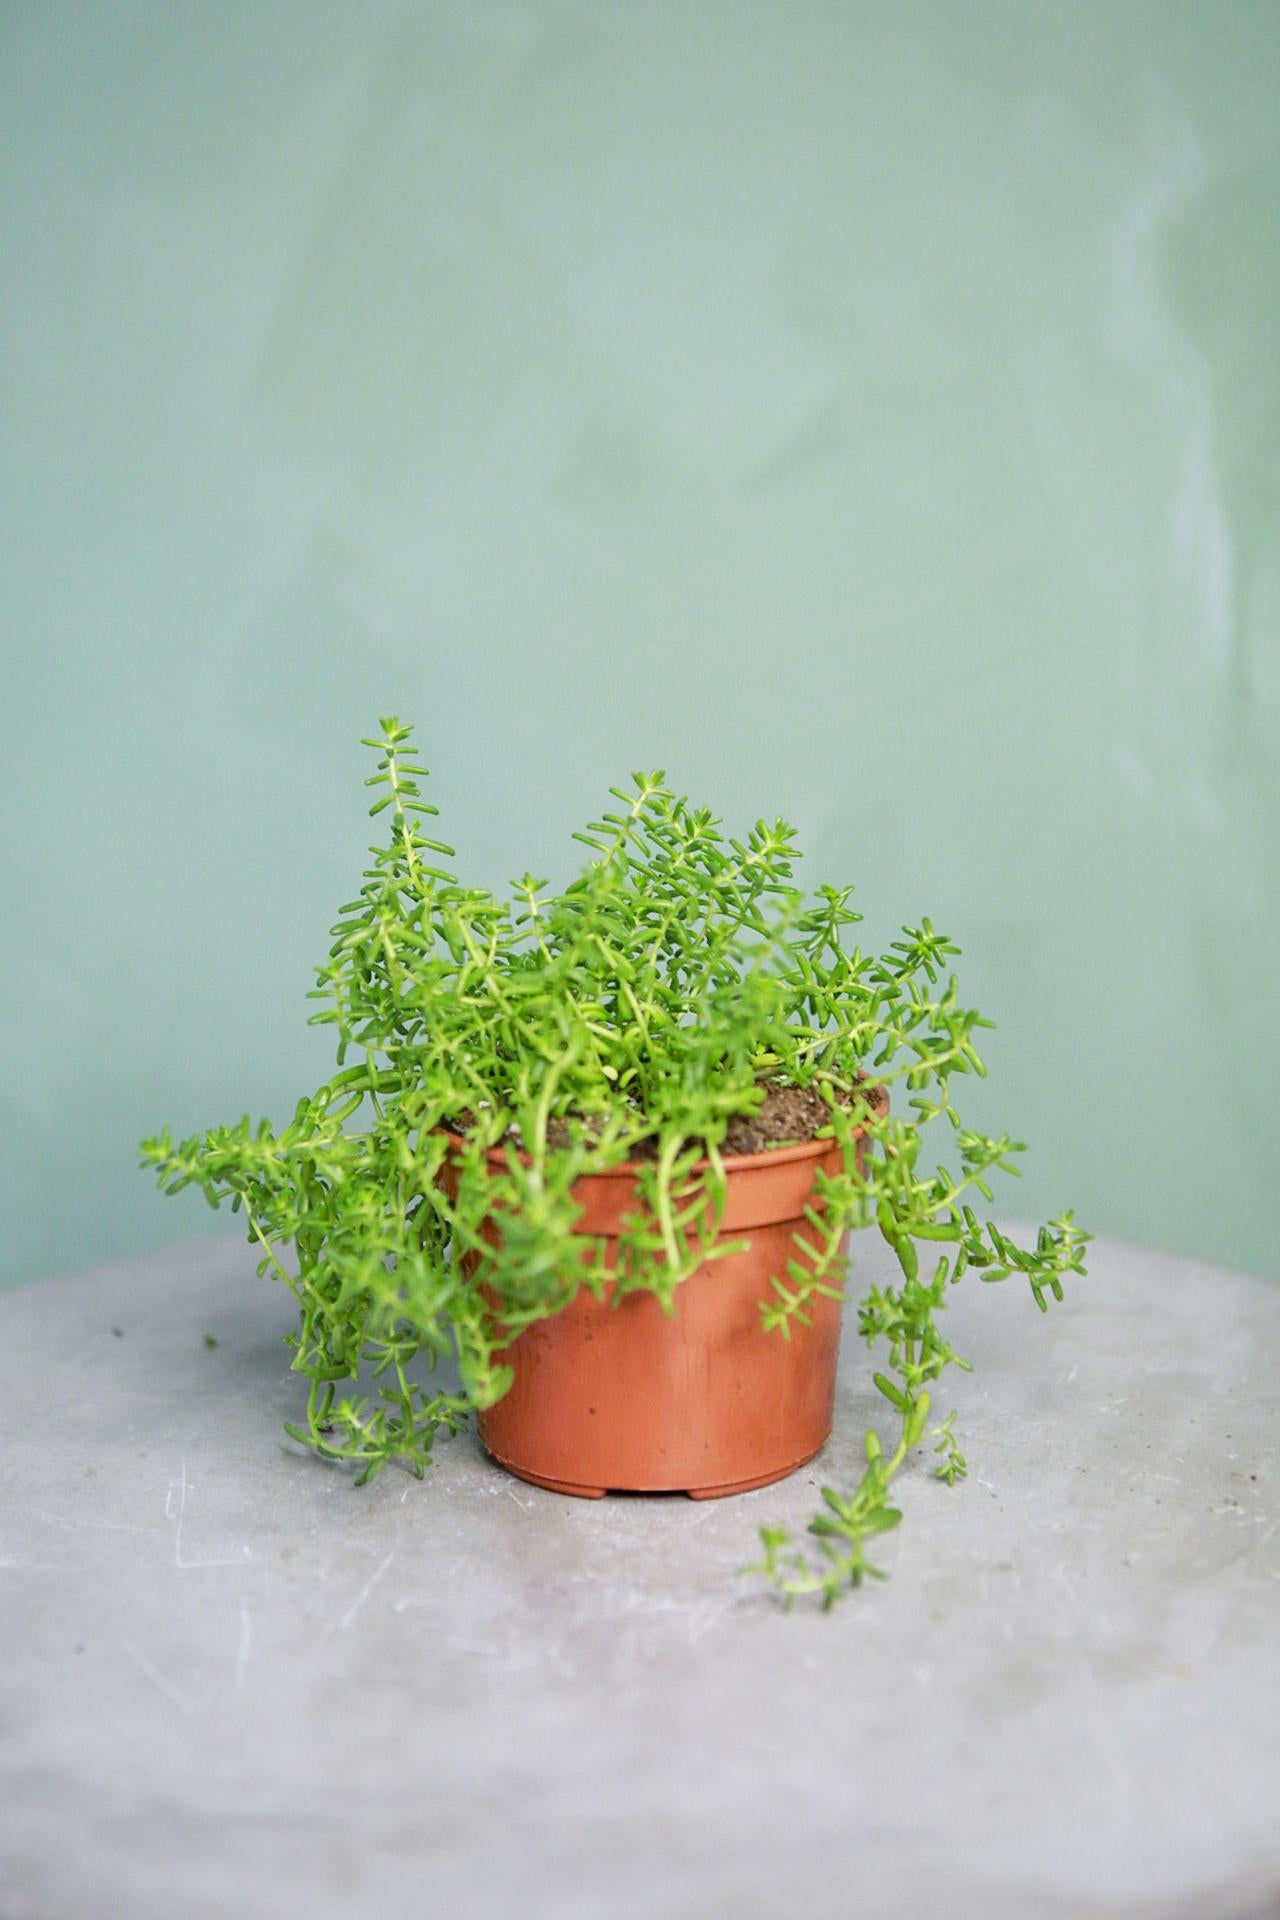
<point>627,1398</point>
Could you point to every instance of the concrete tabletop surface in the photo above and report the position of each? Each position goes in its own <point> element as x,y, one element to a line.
<point>233,1684</point>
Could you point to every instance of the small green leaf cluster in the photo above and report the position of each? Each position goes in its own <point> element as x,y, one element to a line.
<point>493,1051</point>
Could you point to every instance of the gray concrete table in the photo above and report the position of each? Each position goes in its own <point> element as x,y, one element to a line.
<point>232,1684</point>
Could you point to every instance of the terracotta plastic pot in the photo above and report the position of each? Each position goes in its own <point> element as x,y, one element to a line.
<point>627,1398</point>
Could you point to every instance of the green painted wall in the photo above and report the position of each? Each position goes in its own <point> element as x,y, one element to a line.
<point>867,413</point>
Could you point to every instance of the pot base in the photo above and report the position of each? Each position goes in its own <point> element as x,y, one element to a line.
<point>554,1486</point>
<point>748,1486</point>
<point>579,1492</point>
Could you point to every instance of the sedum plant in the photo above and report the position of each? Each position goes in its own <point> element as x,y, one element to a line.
<point>628,1016</point>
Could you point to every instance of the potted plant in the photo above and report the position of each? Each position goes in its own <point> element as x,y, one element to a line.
<point>601,1148</point>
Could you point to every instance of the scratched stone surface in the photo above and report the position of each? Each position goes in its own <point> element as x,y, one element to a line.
<point>232,1683</point>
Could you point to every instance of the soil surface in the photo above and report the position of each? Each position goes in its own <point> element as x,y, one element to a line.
<point>787,1117</point>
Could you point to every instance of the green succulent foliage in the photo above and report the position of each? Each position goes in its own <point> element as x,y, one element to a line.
<point>636,1010</point>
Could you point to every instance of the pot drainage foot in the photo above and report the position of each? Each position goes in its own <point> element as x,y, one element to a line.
<point>741,1486</point>
<point>557,1486</point>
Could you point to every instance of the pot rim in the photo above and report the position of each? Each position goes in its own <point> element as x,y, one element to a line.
<point>731,1162</point>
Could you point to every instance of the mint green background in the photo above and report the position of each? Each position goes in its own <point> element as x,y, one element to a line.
<point>868,413</point>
